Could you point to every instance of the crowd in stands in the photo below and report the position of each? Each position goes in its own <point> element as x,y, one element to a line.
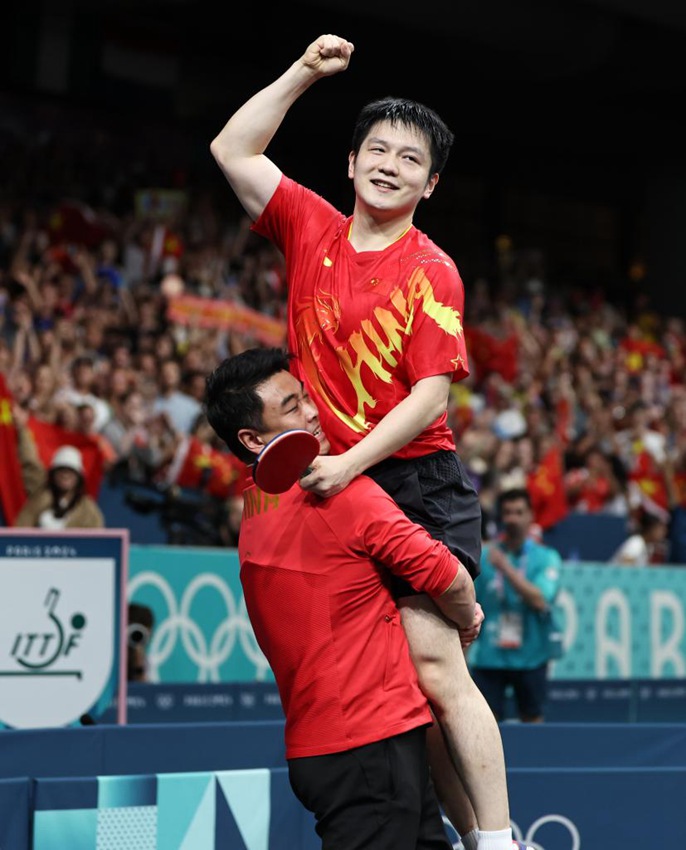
<point>115,304</point>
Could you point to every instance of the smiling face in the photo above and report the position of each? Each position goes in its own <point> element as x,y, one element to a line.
<point>391,172</point>
<point>286,406</point>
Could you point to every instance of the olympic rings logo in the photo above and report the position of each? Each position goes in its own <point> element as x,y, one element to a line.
<point>207,652</point>
<point>572,841</point>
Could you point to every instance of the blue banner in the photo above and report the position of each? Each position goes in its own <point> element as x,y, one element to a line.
<point>201,631</point>
<point>619,622</point>
<point>255,809</point>
<point>16,797</point>
<point>622,622</point>
<point>208,786</point>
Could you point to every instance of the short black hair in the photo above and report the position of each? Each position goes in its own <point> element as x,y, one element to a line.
<point>646,521</point>
<point>231,401</point>
<point>402,112</point>
<point>82,360</point>
<point>514,494</point>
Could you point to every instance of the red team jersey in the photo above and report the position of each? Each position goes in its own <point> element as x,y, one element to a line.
<point>364,326</point>
<point>318,600</point>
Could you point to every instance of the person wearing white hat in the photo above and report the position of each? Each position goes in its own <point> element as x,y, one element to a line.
<point>61,500</point>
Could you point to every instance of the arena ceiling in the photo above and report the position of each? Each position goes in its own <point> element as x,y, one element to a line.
<point>574,74</point>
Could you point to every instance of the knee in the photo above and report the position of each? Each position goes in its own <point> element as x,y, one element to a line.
<point>437,681</point>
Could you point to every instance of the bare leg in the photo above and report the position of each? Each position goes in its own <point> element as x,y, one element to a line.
<point>448,785</point>
<point>476,788</point>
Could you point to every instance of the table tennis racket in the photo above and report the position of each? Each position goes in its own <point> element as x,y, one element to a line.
<point>284,460</point>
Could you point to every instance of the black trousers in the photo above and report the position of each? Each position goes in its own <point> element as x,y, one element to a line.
<point>529,688</point>
<point>376,797</point>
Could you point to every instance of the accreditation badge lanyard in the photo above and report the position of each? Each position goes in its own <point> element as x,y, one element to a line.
<point>511,623</point>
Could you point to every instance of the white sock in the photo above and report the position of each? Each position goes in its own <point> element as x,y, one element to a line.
<point>500,840</point>
<point>470,841</point>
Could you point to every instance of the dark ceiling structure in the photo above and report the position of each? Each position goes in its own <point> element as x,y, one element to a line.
<point>570,75</point>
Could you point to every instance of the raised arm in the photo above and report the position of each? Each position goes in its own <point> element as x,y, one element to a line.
<point>239,149</point>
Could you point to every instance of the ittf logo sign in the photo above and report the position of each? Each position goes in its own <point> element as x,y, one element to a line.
<point>37,652</point>
<point>57,636</point>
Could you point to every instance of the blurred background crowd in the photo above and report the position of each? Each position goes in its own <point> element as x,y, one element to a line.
<point>123,283</point>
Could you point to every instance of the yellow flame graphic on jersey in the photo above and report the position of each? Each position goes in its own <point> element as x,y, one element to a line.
<point>377,344</point>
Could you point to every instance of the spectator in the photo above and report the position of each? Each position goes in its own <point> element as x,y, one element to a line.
<point>518,585</point>
<point>141,621</point>
<point>645,545</point>
<point>43,404</point>
<point>81,390</point>
<point>593,487</point>
<point>194,382</point>
<point>181,408</point>
<point>56,498</point>
<point>84,425</point>
<point>128,435</point>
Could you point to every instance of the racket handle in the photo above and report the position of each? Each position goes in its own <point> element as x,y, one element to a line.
<point>307,471</point>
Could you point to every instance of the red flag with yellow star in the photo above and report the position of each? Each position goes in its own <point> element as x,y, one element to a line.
<point>202,467</point>
<point>547,489</point>
<point>650,479</point>
<point>12,493</point>
<point>50,437</point>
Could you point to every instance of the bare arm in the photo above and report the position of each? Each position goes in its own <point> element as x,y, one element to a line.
<point>239,147</point>
<point>427,401</point>
<point>33,472</point>
<point>530,593</point>
<point>458,602</point>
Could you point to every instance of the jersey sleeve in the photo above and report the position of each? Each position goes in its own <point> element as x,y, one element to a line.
<point>385,534</point>
<point>291,210</point>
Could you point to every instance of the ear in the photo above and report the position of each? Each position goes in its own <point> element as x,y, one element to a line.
<point>430,186</point>
<point>351,164</point>
<point>252,440</point>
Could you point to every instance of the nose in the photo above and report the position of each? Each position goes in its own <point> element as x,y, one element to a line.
<point>388,165</point>
<point>311,412</point>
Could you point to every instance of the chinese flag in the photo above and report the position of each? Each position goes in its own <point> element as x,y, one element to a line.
<point>50,437</point>
<point>12,493</point>
<point>547,489</point>
<point>636,350</point>
<point>75,223</point>
<point>172,245</point>
<point>650,479</point>
<point>221,474</point>
<point>490,354</point>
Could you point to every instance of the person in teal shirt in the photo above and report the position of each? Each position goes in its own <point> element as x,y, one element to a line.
<point>517,588</point>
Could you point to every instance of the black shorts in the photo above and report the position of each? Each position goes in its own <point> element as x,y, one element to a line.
<point>379,795</point>
<point>436,492</point>
<point>529,687</point>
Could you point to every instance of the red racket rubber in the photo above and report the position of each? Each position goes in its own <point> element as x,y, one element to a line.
<point>284,460</point>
